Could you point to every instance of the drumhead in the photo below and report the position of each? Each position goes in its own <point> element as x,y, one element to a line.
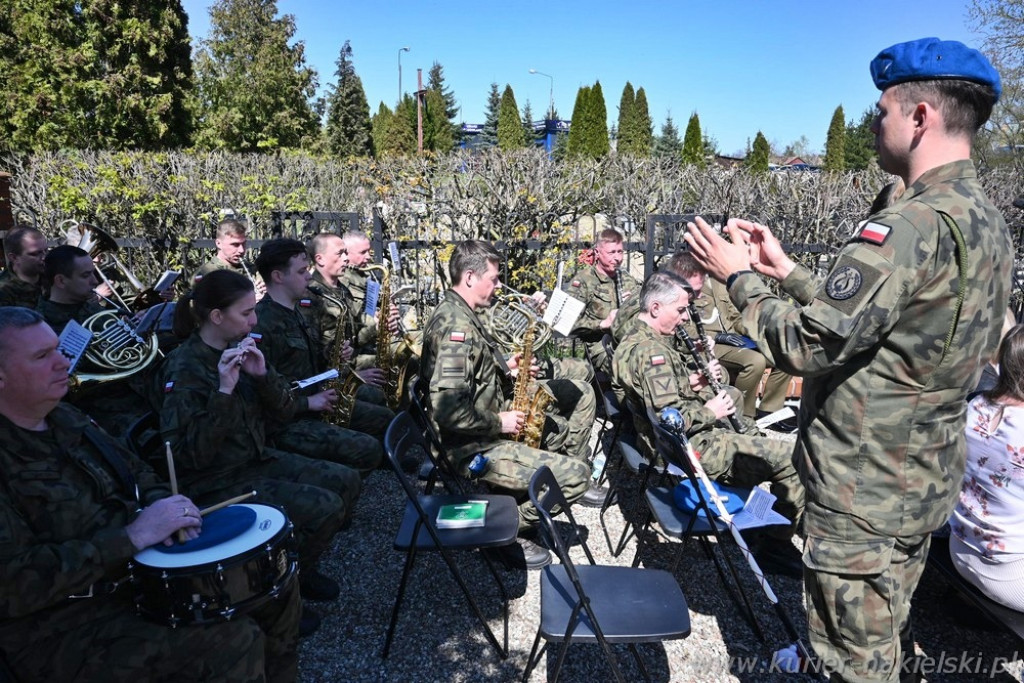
<point>269,522</point>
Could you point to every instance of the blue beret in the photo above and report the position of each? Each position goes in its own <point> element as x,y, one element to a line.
<point>931,58</point>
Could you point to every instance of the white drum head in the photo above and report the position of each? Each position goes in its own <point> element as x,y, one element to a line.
<point>269,522</point>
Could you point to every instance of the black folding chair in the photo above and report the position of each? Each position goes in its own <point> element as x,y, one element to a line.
<point>418,530</point>
<point>598,604</point>
<point>437,464</point>
<point>701,524</point>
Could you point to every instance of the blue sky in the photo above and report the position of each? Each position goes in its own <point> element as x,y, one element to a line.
<point>781,67</point>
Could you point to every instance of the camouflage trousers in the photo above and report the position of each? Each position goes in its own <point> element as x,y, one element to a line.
<point>571,417</point>
<point>566,368</point>
<point>371,414</point>
<point>747,366</point>
<point>318,496</point>
<point>513,464</point>
<point>858,585</point>
<point>312,437</point>
<point>747,460</point>
<point>113,644</point>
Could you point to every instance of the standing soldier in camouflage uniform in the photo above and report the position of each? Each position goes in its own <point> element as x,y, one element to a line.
<point>21,283</point>
<point>650,373</point>
<point>69,277</point>
<point>218,395</point>
<point>74,508</point>
<point>231,244</point>
<point>890,345</point>
<point>596,286</point>
<point>469,391</point>
<point>293,349</point>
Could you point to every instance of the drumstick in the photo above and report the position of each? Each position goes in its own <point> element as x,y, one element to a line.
<point>225,503</point>
<point>182,538</point>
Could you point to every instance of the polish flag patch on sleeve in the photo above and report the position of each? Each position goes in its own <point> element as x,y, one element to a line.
<point>169,387</point>
<point>575,283</point>
<point>305,303</point>
<point>657,360</point>
<point>457,337</point>
<point>876,233</point>
<point>256,336</point>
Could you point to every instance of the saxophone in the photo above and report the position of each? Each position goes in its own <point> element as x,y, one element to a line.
<point>530,397</point>
<point>395,364</point>
<point>341,415</point>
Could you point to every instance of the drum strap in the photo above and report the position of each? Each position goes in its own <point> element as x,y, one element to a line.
<point>102,443</point>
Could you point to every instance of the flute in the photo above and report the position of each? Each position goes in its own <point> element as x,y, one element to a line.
<point>703,368</point>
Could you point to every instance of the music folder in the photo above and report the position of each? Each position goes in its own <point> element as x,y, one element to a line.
<point>73,342</point>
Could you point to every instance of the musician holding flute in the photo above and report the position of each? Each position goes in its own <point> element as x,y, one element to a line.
<point>650,373</point>
<point>74,508</point>
<point>604,287</point>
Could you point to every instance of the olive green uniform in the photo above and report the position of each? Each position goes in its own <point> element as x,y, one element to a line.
<point>598,292</point>
<point>468,386</point>
<point>58,315</point>
<point>220,451</point>
<point>650,374</point>
<point>63,511</point>
<point>888,364</point>
<point>292,348</point>
<point>16,292</point>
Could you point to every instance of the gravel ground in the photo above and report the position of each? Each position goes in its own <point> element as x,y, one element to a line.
<point>439,639</point>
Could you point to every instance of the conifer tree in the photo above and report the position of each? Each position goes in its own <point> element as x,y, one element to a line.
<point>859,147</point>
<point>598,114</point>
<point>759,158</point>
<point>348,115</point>
<point>438,132</point>
<point>395,132</point>
<point>435,82</point>
<point>668,143</point>
<point>380,125</point>
<point>489,135</point>
<point>835,142</point>
<point>510,126</point>
<point>528,133</point>
<point>643,126</point>
<point>94,74</point>
<point>693,143</point>
<point>254,87</point>
<point>627,128</point>
<point>578,133</point>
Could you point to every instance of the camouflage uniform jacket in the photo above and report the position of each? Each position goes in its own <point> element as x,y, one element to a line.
<point>63,510</point>
<point>289,343</point>
<point>58,315</point>
<point>16,292</point>
<point>467,386</point>
<point>365,325</point>
<point>214,435</point>
<point>650,372</point>
<point>597,291</point>
<point>217,263</point>
<point>325,316</point>
<point>717,312</point>
<point>883,410</point>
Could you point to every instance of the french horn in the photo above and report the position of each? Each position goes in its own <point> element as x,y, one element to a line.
<point>102,248</point>
<point>511,315</point>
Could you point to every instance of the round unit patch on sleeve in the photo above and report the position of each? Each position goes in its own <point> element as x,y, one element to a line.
<point>844,282</point>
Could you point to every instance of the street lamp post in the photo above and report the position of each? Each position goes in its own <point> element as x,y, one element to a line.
<point>400,51</point>
<point>551,92</point>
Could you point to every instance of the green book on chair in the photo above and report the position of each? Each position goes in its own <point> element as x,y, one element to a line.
<point>462,515</point>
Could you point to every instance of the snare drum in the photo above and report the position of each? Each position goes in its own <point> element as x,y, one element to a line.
<point>217,582</point>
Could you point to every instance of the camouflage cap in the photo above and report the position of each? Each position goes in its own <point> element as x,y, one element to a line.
<point>931,58</point>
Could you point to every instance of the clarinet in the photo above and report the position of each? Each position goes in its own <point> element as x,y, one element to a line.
<point>702,337</point>
<point>703,368</point>
<point>617,277</point>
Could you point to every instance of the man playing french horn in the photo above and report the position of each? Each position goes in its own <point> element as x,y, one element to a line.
<point>292,347</point>
<point>469,385</point>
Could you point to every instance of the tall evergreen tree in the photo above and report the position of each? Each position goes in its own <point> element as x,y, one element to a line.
<point>435,82</point>
<point>859,148</point>
<point>835,142</point>
<point>94,74</point>
<point>489,135</point>
<point>643,125</point>
<point>348,115</point>
<point>510,126</point>
<point>578,133</point>
<point>254,87</point>
<point>438,132</point>
<point>627,128</point>
<point>528,133</point>
<point>598,113</point>
<point>668,143</point>
<point>759,158</point>
<point>693,143</point>
<point>380,125</point>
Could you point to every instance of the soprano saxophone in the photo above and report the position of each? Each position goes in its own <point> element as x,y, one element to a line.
<point>530,397</point>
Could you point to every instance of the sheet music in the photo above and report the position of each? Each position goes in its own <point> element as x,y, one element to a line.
<point>396,261</point>
<point>303,383</point>
<point>166,280</point>
<point>757,511</point>
<point>73,342</point>
<point>372,294</point>
<point>563,311</point>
